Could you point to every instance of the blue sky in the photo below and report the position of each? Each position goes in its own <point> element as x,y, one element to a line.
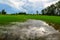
<point>29,6</point>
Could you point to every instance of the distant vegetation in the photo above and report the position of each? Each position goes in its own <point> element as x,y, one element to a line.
<point>3,12</point>
<point>54,9</point>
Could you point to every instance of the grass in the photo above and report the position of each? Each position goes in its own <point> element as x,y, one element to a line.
<point>5,19</point>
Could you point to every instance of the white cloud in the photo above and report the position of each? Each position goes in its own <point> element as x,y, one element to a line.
<point>44,0</point>
<point>16,3</point>
<point>46,4</point>
<point>28,4</point>
<point>34,1</point>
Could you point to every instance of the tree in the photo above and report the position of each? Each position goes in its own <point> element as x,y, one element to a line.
<point>54,9</point>
<point>22,13</point>
<point>42,12</point>
<point>58,7</point>
<point>3,11</point>
<point>37,12</point>
<point>0,12</point>
<point>58,4</point>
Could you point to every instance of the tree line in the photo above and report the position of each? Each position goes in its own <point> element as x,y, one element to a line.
<point>54,9</point>
<point>3,12</point>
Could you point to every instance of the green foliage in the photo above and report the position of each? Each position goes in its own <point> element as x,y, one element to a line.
<point>5,19</point>
<point>22,13</point>
<point>37,12</point>
<point>54,9</point>
<point>3,12</point>
<point>58,4</point>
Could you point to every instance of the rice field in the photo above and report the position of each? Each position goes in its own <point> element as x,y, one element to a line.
<point>4,19</point>
<point>54,20</point>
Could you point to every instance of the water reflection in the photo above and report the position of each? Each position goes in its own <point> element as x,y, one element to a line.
<point>29,30</point>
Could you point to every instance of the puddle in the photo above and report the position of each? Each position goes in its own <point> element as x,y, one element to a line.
<point>29,30</point>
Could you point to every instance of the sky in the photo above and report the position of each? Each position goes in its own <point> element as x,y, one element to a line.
<point>28,6</point>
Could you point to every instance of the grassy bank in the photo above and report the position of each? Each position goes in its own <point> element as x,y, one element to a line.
<point>5,19</point>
